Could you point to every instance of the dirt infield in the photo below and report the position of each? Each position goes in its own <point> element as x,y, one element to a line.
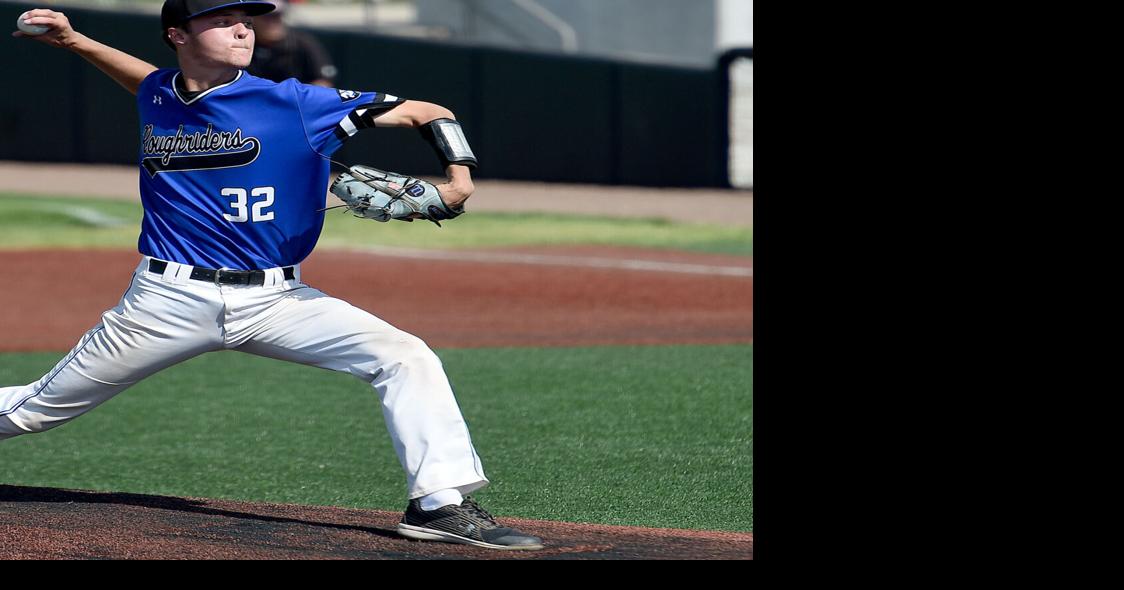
<point>44,523</point>
<point>56,296</point>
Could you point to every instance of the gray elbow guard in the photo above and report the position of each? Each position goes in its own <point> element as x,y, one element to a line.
<point>447,139</point>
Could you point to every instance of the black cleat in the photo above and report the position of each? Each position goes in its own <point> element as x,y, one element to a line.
<point>468,524</point>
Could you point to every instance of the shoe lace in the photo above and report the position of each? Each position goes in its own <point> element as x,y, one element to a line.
<point>476,510</point>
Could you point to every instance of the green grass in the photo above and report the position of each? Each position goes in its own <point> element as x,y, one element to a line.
<point>652,436</point>
<point>47,221</point>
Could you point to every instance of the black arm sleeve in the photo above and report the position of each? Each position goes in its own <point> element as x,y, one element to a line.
<point>448,141</point>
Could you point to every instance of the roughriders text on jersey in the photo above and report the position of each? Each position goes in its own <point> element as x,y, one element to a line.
<point>181,151</point>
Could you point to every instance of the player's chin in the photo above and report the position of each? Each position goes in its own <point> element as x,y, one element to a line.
<point>241,57</point>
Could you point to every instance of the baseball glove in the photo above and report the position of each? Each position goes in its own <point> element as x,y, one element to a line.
<point>371,193</point>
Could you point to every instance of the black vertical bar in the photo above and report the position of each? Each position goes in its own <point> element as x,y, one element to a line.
<point>83,149</point>
<point>478,122</point>
<point>616,134</point>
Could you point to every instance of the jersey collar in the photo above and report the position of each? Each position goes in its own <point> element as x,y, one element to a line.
<point>185,101</point>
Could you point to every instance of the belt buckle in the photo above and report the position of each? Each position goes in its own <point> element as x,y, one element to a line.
<point>218,273</point>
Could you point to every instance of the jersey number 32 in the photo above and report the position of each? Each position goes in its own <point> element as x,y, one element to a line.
<point>242,214</point>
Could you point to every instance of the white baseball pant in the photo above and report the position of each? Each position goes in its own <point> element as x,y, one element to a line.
<point>168,318</point>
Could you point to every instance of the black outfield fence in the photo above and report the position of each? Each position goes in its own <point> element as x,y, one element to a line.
<point>528,116</point>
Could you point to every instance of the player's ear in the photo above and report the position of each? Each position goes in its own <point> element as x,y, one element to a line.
<point>177,36</point>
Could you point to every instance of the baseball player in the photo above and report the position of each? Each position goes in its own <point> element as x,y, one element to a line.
<point>232,177</point>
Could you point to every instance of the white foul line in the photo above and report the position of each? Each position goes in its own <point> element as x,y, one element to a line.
<point>556,260</point>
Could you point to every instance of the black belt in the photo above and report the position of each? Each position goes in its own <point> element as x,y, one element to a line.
<point>222,276</point>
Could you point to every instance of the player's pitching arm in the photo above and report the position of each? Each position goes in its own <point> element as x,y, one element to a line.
<point>125,69</point>
<point>419,114</point>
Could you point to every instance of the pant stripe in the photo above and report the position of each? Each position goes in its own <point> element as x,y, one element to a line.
<point>57,370</point>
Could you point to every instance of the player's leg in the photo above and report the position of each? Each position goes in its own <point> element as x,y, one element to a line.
<point>425,424</point>
<point>155,325</point>
<point>422,416</point>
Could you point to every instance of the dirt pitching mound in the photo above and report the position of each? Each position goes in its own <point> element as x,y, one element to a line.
<point>47,523</point>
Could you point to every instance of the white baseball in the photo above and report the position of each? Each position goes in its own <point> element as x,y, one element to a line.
<point>29,29</point>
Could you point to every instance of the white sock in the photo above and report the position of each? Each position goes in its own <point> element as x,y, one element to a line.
<point>441,498</point>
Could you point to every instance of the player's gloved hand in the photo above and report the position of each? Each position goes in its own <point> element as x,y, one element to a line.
<point>362,199</point>
<point>376,194</point>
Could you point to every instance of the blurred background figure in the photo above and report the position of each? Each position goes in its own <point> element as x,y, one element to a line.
<point>281,52</point>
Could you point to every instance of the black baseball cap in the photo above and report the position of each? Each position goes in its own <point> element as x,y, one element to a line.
<point>177,12</point>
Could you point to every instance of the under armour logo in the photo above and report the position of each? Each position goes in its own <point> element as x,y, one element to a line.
<point>157,100</point>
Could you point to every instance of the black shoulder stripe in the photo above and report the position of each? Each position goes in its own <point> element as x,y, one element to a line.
<point>374,112</point>
<point>363,116</point>
<point>356,120</point>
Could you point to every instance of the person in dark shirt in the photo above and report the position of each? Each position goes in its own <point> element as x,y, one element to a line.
<point>283,53</point>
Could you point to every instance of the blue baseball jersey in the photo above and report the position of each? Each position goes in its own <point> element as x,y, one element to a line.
<point>233,177</point>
